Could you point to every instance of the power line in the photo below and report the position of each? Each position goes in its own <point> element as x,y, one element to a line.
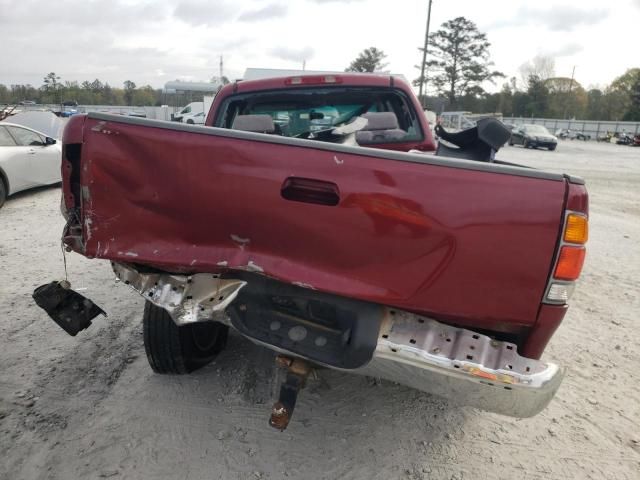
<point>423,80</point>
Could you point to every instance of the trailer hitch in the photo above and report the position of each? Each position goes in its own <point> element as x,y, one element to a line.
<point>297,372</point>
<point>70,310</point>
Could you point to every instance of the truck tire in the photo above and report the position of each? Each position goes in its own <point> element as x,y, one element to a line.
<point>172,349</point>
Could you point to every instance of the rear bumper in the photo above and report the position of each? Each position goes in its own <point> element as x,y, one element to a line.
<point>464,367</point>
<point>536,143</point>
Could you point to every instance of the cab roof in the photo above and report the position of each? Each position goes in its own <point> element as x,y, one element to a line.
<point>317,80</point>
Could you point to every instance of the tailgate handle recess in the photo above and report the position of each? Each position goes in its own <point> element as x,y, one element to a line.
<point>309,190</point>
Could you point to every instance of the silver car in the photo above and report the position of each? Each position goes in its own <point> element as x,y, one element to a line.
<point>28,158</point>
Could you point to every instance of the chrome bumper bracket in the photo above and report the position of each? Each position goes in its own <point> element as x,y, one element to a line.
<point>462,366</point>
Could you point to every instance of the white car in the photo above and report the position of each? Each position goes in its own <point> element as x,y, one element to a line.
<point>196,118</point>
<point>28,158</point>
<point>188,112</point>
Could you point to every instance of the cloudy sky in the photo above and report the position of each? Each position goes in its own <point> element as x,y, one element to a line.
<point>151,42</point>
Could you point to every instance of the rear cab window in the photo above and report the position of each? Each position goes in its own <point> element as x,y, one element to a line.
<point>300,112</point>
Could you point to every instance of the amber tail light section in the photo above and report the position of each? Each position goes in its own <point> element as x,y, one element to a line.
<point>576,229</point>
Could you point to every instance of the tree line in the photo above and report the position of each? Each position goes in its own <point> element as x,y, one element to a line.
<point>459,67</point>
<point>562,98</point>
<point>55,91</point>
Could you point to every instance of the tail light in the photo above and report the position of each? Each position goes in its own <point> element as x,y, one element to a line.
<point>569,263</point>
<point>569,260</point>
<point>576,229</point>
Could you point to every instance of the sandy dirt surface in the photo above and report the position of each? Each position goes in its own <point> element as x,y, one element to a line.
<point>89,407</point>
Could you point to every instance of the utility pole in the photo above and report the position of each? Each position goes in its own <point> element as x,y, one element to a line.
<point>566,107</point>
<point>304,64</point>
<point>221,67</point>
<point>423,80</point>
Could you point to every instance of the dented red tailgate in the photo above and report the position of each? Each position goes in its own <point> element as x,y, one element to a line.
<point>457,240</point>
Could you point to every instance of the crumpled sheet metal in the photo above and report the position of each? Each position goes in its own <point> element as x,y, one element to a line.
<point>187,298</point>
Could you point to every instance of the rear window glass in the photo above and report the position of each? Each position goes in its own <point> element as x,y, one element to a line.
<point>25,137</point>
<point>5,139</point>
<point>537,129</point>
<point>300,111</point>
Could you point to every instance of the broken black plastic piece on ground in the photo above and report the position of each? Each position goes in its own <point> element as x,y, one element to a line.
<point>72,311</point>
<point>477,143</point>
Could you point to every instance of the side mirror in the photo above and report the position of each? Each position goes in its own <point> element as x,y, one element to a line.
<point>49,141</point>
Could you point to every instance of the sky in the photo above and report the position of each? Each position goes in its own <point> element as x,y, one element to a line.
<point>152,42</point>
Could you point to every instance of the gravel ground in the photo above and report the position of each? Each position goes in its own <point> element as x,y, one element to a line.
<point>89,407</point>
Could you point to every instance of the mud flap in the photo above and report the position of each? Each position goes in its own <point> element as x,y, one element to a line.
<point>72,311</point>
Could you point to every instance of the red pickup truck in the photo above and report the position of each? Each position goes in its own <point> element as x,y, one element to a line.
<point>306,215</point>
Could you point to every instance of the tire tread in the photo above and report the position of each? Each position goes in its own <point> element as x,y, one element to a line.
<point>162,341</point>
<point>171,349</point>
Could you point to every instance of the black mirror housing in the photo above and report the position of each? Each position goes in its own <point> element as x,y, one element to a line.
<point>49,141</point>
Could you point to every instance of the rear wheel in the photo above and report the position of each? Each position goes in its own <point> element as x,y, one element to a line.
<point>525,144</point>
<point>179,350</point>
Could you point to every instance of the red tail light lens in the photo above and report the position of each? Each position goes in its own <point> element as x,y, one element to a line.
<point>569,263</point>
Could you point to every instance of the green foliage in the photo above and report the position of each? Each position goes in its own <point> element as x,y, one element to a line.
<point>626,81</point>
<point>51,87</point>
<point>5,94</point>
<point>129,88</point>
<point>505,100</point>
<point>51,82</point>
<point>369,60</point>
<point>633,110</point>
<point>143,96</point>
<point>567,98</point>
<point>460,61</point>
<point>556,97</point>
<point>55,91</point>
<point>596,104</point>
<point>538,96</point>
